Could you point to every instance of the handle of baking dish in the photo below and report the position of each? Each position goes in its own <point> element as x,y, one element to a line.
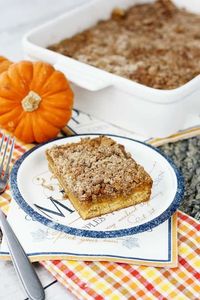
<point>81,75</point>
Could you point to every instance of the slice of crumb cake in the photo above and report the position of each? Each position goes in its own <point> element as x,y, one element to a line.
<point>99,176</point>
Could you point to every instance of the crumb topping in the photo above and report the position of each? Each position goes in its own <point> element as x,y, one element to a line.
<point>155,44</point>
<point>97,168</point>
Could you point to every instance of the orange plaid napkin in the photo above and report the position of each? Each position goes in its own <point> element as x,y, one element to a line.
<point>108,280</point>
<point>117,281</point>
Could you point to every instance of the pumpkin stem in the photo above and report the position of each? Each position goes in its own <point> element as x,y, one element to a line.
<point>31,101</point>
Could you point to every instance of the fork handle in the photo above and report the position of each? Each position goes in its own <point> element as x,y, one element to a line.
<point>23,267</point>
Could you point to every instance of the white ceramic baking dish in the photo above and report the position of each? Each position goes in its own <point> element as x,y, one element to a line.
<point>148,111</point>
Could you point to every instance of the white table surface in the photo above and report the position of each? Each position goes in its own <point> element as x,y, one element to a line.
<point>16,18</point>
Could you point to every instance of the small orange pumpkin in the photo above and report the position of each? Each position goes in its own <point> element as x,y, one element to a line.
<point>4,64</point>
<point>35,101</point>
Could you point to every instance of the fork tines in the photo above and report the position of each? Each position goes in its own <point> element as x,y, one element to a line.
<point>6,151</point>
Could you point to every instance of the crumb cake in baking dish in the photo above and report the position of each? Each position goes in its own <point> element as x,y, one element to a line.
<point>99,176</point>
<point>155,44</point>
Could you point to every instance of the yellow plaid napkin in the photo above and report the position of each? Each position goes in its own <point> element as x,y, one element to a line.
<point>117,281</point>
<point>108,280</point>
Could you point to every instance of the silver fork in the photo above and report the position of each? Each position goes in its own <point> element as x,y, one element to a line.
<point>7,141</point>
<point>23,267</point>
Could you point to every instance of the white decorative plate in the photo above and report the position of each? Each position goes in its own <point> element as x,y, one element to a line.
<point>39,195</point>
